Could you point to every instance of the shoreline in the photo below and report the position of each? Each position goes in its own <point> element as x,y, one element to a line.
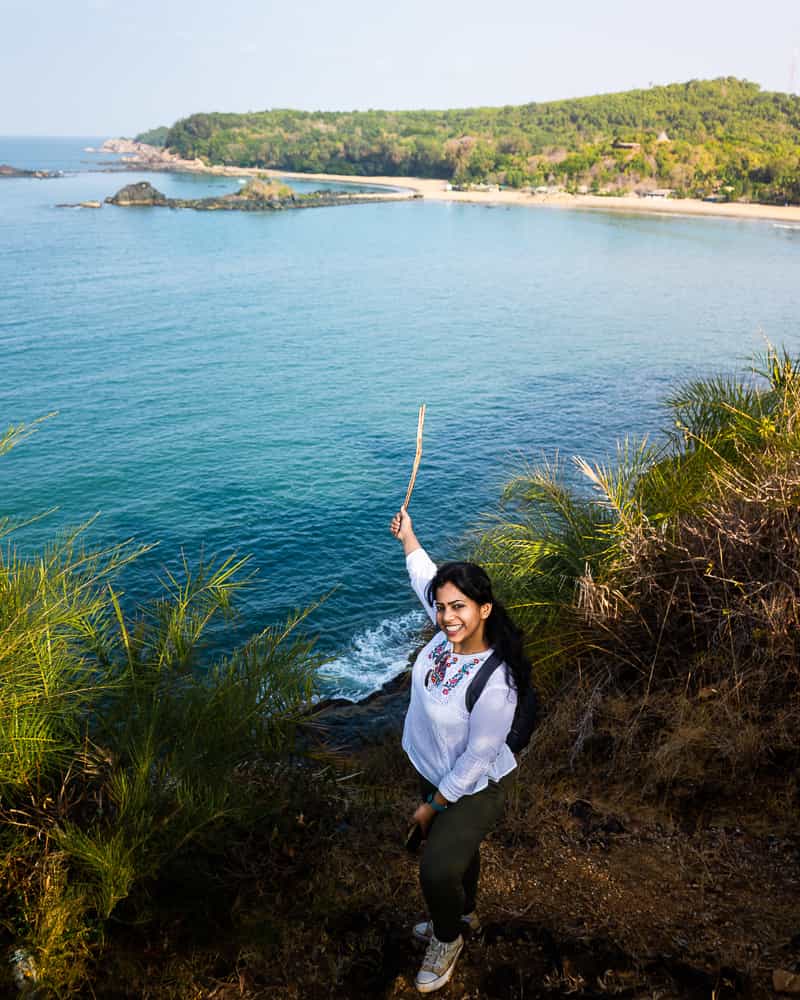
<point>436,190</point>
<point>148,157</point>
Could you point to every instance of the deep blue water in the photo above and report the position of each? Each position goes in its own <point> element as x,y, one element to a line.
<point>250,383</point>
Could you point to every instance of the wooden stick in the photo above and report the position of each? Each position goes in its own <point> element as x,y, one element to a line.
<point>417,457</point>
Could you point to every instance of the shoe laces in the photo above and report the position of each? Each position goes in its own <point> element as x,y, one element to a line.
<point>437,953</point>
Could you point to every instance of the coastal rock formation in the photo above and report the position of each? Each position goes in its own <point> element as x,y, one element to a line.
<point>9,171</point>
<point>263,190</point>
<point>345,724</point>
<point>255,196</point>
<point>152,157</point>
<point>142,194</point>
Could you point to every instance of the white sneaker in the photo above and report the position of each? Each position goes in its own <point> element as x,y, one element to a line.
<point>438,964</point>
<point>424,931</point>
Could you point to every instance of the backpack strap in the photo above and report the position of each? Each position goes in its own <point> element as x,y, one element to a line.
<point>478,682</point>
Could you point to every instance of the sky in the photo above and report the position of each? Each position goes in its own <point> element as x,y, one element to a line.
<point>116,67</point>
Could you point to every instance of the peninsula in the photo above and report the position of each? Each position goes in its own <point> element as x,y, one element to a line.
<point>140,156</point>
<point>722,140</point>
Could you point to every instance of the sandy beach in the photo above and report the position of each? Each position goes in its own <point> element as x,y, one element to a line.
<point>438,190</point>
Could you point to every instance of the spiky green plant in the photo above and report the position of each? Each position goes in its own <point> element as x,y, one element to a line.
<point>562,556</point>
<point>536,548</point>
<point>51,610</point>
<point>123,742</point>
<point>663,595</point>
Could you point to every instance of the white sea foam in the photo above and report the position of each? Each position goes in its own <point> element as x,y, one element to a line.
<point>375,656</point>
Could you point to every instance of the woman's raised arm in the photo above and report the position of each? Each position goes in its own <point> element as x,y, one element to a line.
<point>402,528</point>
<point>421,570</point>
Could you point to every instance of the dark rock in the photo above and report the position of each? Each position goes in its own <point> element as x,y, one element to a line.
<point>346,724</point>
<point>250,199</point>
<point>141,194</point>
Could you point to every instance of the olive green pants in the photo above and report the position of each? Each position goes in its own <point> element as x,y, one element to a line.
<point>451,861</point>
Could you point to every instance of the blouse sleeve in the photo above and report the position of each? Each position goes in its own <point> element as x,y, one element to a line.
<point>421,570</point>
<point>489,723</point>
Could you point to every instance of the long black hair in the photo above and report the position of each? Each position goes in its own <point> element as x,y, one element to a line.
<point>501,633</point>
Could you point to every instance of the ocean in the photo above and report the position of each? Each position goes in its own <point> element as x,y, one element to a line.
<point>250,383</point>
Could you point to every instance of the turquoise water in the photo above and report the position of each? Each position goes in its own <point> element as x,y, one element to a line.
<point>250,383</point>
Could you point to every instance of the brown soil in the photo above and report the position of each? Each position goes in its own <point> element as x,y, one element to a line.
<point>580,898</point>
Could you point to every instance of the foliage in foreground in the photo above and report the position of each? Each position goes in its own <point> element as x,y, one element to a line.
<point>135,775</point>
<point>723,136</point>
<point>663,604</point>
<point>123,747</point>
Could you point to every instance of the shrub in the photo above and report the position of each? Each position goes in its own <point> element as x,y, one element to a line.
<point>123,744</point>
<point>664,604</point>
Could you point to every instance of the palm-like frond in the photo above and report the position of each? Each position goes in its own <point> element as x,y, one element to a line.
<point>108,861</point>
<point>561,558</point>
<point>706,409</point>
<point>51,607</point>
<point>169,731</point>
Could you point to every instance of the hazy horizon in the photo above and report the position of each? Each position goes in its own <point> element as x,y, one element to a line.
<point>98,69</point>
<point>131,134</point>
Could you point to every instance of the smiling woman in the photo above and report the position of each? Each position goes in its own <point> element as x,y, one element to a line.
<point>458,747</point>
<point>461,619</point>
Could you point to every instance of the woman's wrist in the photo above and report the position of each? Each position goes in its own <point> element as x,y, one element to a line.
<point>410,544</point>
<point>437,801</point>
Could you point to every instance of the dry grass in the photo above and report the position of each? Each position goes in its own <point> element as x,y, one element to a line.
<point>691,689</point>
<point>664,609</point>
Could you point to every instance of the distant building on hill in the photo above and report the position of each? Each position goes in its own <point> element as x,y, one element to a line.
<point>663,137</point>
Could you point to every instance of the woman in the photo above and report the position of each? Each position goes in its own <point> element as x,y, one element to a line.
<point>461,757</point>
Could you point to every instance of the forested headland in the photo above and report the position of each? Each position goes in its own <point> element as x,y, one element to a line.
<point>723,138</point>
<point>154,136</point>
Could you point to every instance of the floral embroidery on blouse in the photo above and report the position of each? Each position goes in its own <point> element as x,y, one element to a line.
<point>442,659</point>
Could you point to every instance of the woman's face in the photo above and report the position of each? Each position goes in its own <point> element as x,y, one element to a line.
<point>461,619</point>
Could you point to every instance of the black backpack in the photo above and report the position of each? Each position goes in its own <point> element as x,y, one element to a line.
<point>525,714</point>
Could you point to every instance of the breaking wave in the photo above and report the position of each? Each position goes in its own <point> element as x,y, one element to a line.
<point>375,656</point>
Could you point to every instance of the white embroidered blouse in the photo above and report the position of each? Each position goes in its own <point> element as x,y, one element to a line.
<point>456,750</point>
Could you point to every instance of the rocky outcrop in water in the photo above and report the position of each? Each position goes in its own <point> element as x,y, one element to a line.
<point>9,171</point>
<point>142,194</point>
<point>256,196</point>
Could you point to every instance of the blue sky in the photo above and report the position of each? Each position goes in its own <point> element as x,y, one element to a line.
<point>104,67</point>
